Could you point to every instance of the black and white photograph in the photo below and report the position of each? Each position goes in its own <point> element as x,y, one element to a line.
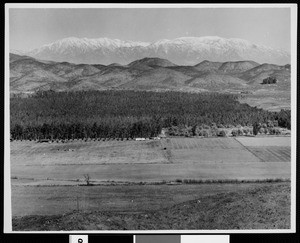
<point>150,118</point>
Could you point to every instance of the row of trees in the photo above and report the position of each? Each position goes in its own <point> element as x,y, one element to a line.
<point>94,114</point>
<point>144,128</point>
<point>213,131</point>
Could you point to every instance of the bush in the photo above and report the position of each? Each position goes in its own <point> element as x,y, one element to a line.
<point>269,80</point>
<point>270,123</point>
<point>214,131</point>
<point>87,179</point>
<point>270,131</point>
<point>197,131</point>
<point>234,133</point>
<point>277,131</point>
<point>240,132</point>
<point>222,133</point>
<point>246,131</point>
<point>206,127</point>
<point>205,133</point>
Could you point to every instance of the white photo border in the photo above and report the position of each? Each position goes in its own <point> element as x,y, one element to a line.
<point>7,184</point>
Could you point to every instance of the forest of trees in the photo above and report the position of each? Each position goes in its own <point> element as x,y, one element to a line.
<point>128,114</point>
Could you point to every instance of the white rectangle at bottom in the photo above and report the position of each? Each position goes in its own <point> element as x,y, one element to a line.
<point>204,239</point>
<point>78,239</point>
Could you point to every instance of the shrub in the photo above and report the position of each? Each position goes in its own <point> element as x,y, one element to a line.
<point>264,125</point>
<point>200,133</point>
<point>87,179</point>
<point>222,133</point>
<point>277,131</point>
<point>197,131</point>
<point>246,131</point>
<point>234,133</point>
<point>206,127</point>
<point>270,131</point>
<point>240,132</point>
<point>214,131</point>
<point>205,133</point>
<point>270,123</point>
<point>269,80</point>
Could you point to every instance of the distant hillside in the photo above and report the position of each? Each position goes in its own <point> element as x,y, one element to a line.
<point>258,73</point>
<point>208,66</point>
<point>217,82</point>
<point>152,62</point>
<point>28,74</point>
<point>237,67</point>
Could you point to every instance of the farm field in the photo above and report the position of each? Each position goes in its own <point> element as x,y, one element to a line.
<point>189,207</point>
<point>268,99</point>
<point>45,176</point>
<point>80,152</point>
<point>265,141</point>
<point>119,198</point>
<point>136,161</point>
<point>166,159</point>
<point>276,149</point>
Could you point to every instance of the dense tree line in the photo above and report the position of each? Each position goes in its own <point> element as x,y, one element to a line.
<point>123,114</point>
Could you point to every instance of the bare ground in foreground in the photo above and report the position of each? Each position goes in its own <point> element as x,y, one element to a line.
<point>265,206</point>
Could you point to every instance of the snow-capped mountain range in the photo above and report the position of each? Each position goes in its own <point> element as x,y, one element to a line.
<point>182,51</point>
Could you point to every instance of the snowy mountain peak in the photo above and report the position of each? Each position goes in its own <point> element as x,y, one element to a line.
<point>18,52</point>
<point>183,50</point>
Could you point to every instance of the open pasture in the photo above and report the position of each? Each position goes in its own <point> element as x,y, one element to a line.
<point>148,161</point>
<point>271,141</point>
<point>79,152</point>
<point>45,176</point>
<point>208,150</point>
<point>274,154</point>
<point>154,172</point>
<point>268,149</point>
<point>201,143</point>
<point>31,200</point>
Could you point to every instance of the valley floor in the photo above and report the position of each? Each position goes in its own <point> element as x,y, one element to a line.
<point>172,183</point>
<point>181,207</point>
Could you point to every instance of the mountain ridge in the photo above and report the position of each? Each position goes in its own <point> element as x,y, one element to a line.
<point>181,51</point>
<point>29,75</point>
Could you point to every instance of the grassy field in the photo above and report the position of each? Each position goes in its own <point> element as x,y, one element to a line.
<point>269,99</point>
<point>91,152</point>
<point>136,161</point>
<point>271,141</point>
<point>233,206</point>
<point>119,198</point>
<point>133,177</point>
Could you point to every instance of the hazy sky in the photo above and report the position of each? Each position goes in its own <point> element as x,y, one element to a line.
<point>31,28</point>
